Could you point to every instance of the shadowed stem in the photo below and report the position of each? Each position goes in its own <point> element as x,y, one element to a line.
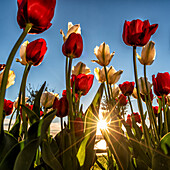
<point>165,115</point>
<point>107,82</point>
<point>6,71</point>
<point>139,99</point>
<point>152,116</point>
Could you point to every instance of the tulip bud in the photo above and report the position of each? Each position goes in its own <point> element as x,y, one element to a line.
<point>62,106</point>
<point>127,88</point>
<point>80,68</point>
<point>137,117</point>
<point>115,91</point>
<point>129,121</point>
<point>47,99</point>
<point>11,78</point>
<point>8,107</point>
<point>103,54</point>
<point>142,86</point>
<point>155,110</point>
<point>23,53</point>
<point>35,51</point>
<point>148,54</point>
<point>73,46</point>
<point>122,100</point>
<point>100,74</point>
<point>113,75</point>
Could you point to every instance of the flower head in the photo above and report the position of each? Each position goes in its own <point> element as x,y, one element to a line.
<point>142,85</point>
<point>35,51</point>
<point>122,100</point>
<point>39,13</point>
<point>129,121</point>
<point>80,68</point>
<point>155,110</point>
<point>23,53</point>
<point>73,46</point>
<point>137,117</point>
<point>103,54</point>
<point>137,32</point>
<point>100,74</point>
<point>11,78</point>
<point>8,107</point>
<point>47,99</point>
<point>16,101</point>
<point>127,88</point>
<point>161,84</point>
<point>115,91</point>
<point>62,106</point>
<point>82,82</point>
<point>148,54</point>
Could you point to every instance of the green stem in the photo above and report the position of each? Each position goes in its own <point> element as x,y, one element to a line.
<point>24,80</point>
<point>151,114</point>
<point>61,123</point>
<point>130,105</point>
<point>6,72</point>
<point>11,120</point>
<point>139,99</point>
<point>165,116</point>
<point>107,82</point>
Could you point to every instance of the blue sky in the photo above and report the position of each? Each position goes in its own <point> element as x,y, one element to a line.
<point>100,21</point>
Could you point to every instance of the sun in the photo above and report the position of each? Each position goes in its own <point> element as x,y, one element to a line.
<point>102,124</point>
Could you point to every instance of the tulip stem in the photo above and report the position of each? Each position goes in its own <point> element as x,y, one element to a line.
<point>107,82</point>
<point>61,123</point>
<point>11,120</point>
<point>139,100</point>
<point>165,115</point>
<point>152,115</point>
<point>6,71</point>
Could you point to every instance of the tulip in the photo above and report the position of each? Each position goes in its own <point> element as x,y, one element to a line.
<point>129,121</point>
<point>47,99</point>
<point>100,74</point>
<point>23,53</point>
<point>16,101</point>
<point>142,85</point>
<point>39,13</point>
<point>71,29</point>
<point>134,94</point>
<point>137,32</point>
<point>113,75</point>
<point>127,88</point>
<point>103,54</point>
<point>73,46</point>
<point>35,51</point>
<point>78,126</point>
<point>115,91</point>
<point>137,117</point>
<point>122,100</point>
<point>2,66</point>
<point>141,128</point>
<point>11,78</point>
<point>161,84</point>
<point>64,94</point>
<point>83,83</point>
<point>80,68</point>
<point>148,54</point>
<point>62,106</point>
<point>155,110</point>
<point>8,107</point>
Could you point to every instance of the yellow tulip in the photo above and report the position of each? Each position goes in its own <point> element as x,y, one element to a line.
<point>100,74</point>
<point>103,54</point>
<point>148,53</point>
<point>80,68</point>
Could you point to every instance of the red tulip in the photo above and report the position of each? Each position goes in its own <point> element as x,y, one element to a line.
<point>161,84</point>
<point>62,106</point>
<point>83,83</point>
<point>8,107</point>
<point>141,128</point>
<point>78,126</point>
<point>64,93</point>
<point>122,100</point>
<point>37,12</point>
<point>73,46</point>
<point>137,32</point>
<point>155,109</point>
<point>137,117</point>
<point>127,88</point>
<point>35,51</point>
<point>129,121</point>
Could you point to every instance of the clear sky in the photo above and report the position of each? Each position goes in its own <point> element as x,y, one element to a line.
<point>100,21</point>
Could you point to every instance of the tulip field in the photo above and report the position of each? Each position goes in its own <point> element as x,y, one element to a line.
<point>132,140</point>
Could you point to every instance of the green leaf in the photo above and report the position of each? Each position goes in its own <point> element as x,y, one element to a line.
<point>85,154</point>
<point>32,116</point>
<point>26,156</point>
<point>15,128</point>
<point>7,141</point>
<point>8,161</point>
<point>49,158</point>
<point>165,143</point>
<point>36,107</point>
